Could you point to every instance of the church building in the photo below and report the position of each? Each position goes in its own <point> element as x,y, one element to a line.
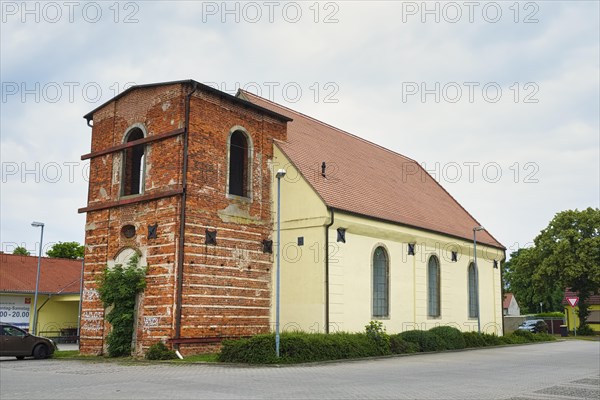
<point>185,176</point>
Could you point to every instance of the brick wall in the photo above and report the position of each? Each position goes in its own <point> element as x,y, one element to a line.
<point>226,287</point>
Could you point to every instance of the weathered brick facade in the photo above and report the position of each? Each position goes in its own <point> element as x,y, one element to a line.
<point>225,287</point>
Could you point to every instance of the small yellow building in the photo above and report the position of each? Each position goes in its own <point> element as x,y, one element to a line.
<point>58,294</point>
<point>368,234</point>
<point>593,319</point>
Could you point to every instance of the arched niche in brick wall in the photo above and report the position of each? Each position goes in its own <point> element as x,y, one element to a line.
<point>124,255</point>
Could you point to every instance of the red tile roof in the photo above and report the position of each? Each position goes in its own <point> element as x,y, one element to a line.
<point>57,275</point>
<point>370,180</point>
<point>593,299</point>
<point>507,298</point>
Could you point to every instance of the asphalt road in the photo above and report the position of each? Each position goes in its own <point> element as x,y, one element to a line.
<point>558,370</point>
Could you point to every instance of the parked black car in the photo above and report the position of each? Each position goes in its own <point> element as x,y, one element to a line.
<point>534,326</point>
<point>15,342</point>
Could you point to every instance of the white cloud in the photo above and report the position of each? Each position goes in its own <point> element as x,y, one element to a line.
<point>369,56</point>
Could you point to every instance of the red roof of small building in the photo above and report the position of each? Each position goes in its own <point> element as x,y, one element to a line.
<point>593,299</point>
<point>367,179</point>
<point>507,299</point>
<point>57,275</point>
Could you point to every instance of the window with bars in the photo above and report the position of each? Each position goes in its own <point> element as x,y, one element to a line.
<point>472,291</point>
<point>380,283</point>
<point>433,287</point>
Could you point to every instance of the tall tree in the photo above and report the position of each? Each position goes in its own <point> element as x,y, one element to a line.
<point>568,253</point>
<point>71,250</point>
<point>518,278</point>
<point>21,251</point>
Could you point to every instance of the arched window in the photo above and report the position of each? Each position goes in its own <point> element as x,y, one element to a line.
<point>238,164</point>
<point>380,283</point>
<point>433,287</point>
<point>133,164</point>
<point>473,309</point>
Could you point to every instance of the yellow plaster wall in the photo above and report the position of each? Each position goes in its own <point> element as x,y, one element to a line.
<point>303,268</point>
<point>351,278</point>
<point>572,317</point>
<point>59,312</point>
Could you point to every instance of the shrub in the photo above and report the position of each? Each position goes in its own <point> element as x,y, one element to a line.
<point>543,337</point>
<point>376,332</point>
<point>451,336</point>
<point>491,340</point>
<point>426,340</point>
<point>515,339</point>
<point>259,349</point>
<point>585,330</point>
<point>296,347</point>
<point>473,339</point>
<point>401,346</point>
<point>528,336</point>
<point>159,351</point>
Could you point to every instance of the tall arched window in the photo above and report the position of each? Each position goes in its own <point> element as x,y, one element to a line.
<point>380,283</point>
<point>238,164</point>
<point>133,164</point>
<point>433,287</point>
<point>473,309</point>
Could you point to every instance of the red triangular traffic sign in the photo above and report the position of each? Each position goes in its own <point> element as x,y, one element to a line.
<point>573,301</point>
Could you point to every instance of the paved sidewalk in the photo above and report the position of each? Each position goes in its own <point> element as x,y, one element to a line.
<point>566,370</point>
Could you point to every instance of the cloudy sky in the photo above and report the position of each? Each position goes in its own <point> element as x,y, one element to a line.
<point>498,100</point>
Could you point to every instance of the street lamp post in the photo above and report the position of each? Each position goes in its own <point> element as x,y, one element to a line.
<point>280,174</point>
<point>477,228</point>
<point>37,279</point>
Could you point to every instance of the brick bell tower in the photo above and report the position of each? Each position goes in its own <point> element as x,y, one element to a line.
<point>180,174</point>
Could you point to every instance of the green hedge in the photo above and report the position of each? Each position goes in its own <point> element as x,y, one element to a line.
<point>451,336</point>
<point>401,346</point>
<point>552,314</point>
<point>426,340</point>
<point>473,339</point>
<point>298,347</point>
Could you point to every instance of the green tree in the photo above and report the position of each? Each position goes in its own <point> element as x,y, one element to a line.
<point>568,254</point>
<point>21,251</point>
<point>71,250</point>
<point>518,278</point>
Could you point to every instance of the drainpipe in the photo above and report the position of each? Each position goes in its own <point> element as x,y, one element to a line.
<point>500,262</point>
<point>327,270</point>
<point>180,258</point>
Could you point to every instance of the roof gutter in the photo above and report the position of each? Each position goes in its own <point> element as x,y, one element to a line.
<point>327,269</point>
<point>180,254</point>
